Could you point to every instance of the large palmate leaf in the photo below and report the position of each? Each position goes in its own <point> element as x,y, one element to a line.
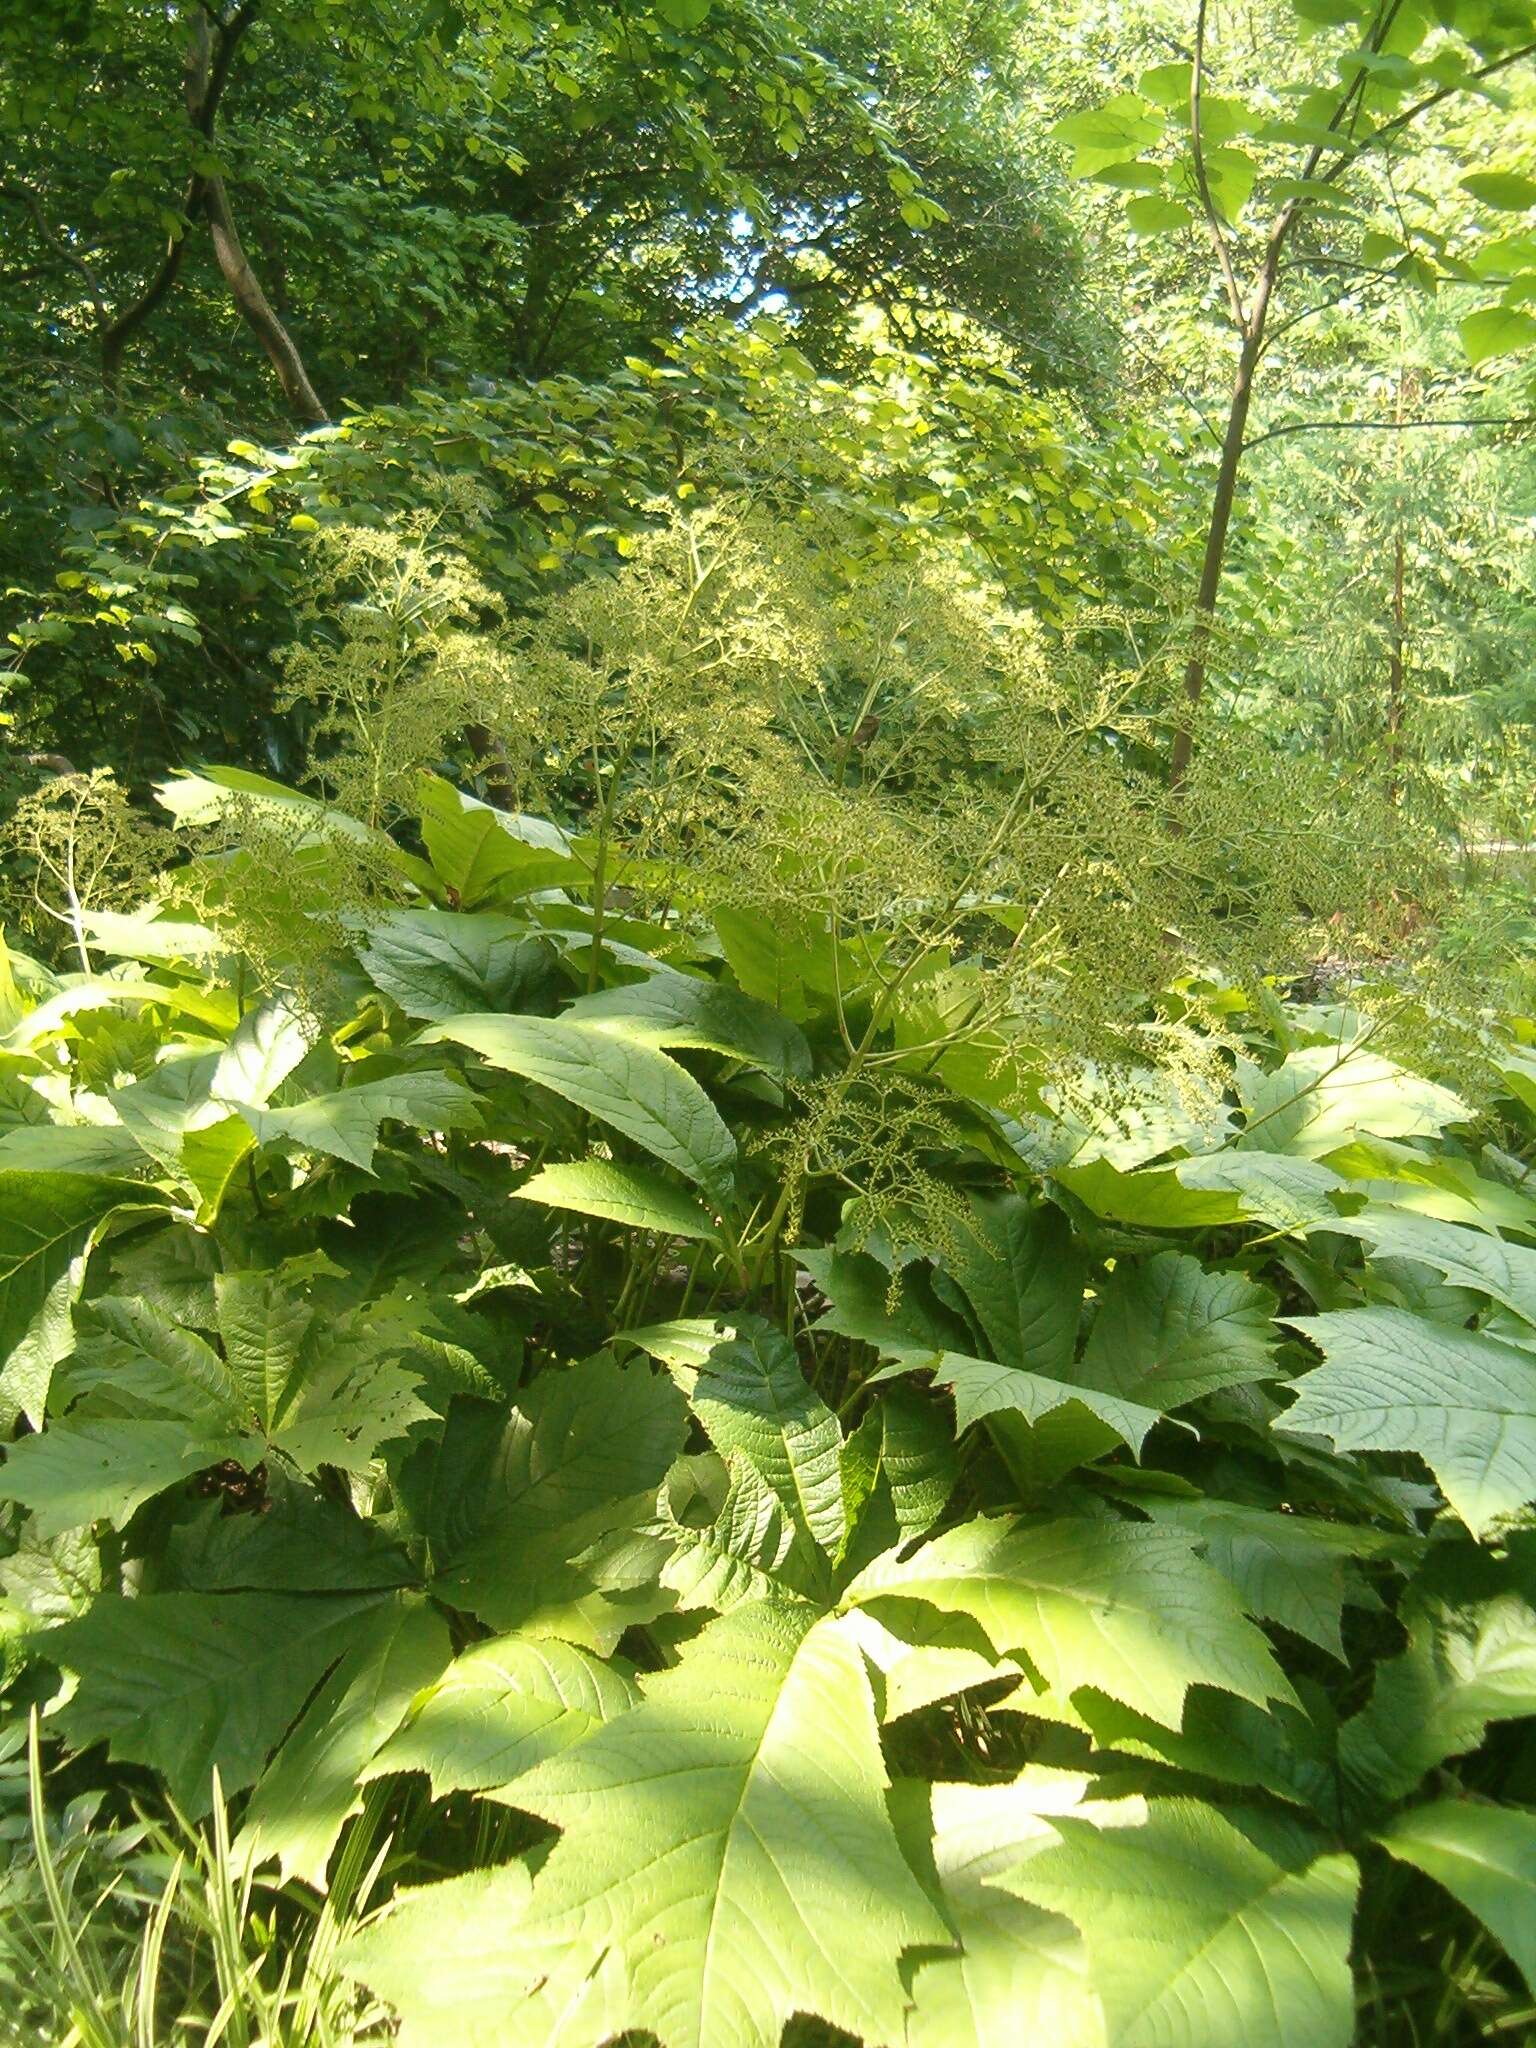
<point>1023,1276</point>
<point>1485,1856</point>
<point>621,1082</point>
<point>1287,1568</point>
<point>442,963</point>
<point>1121,1606</point>
<point>719,1846</point>
<point>982,1388</point>
<point>346,1123</point>
<point>1168,1330</point>
<point>739,1551</point>
<point>581,1454</point>
<point>1020,1974</point>
<point>184,1682</point>
<point>631,1195</point>
<point>1462,1401</point>
<point>48,1223</point>
<point>753,1400</point>
<point>673,1009</point>
<point>484,855</point>
<point>1211,1189</point>
<point>1204,1928</point>
<point>82,1471</point>
<point>1463,1668</point>
<point>324,1390</point>
<point>309,1791</point>
<point>1464,1258</point>
<point>1323,1097</point>
<point>501,1708</point>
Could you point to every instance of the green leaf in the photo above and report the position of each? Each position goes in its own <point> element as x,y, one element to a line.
<point>82,1471</point>
<point>581,1449</point>
<point>48,1224</point>
<point>1485,1856</point>
<point>1496,331</point>
<point>184,1682</point>
<point>1462,1401</point>
<point>501,1708</point>
<point>1020,1974</point>
<point>346,1124</point>
<point>1024,1276</point>
<point>1122,1606</point>
<point>1287,1568</point>
<point>1509,191</point>
<point>1206,1928</point>
<point>1209,1190</point>
<point>487,856</point>
<point>310,1790</point>
<point>714,1842</point>
<point>438,964</point>
<point>269,1042</point>
<point>269,1333</point>
<point>1151,214</point>
<point>71,1148</point>
<point>1465,1258</point>
<point>636,1090</point>
<point>1463,1667</point>
<point>673,1009</point>
<point>1169,1330</point>
<point>684,14</point>
<point>624,1194</point>
<point>982,1388</point>
<point>1321,1098</point>
<point>752,1398</point>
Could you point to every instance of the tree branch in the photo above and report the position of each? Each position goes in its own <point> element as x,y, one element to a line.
<point>1517,419</point>
<point>58,242</point>
<point>203,106</point>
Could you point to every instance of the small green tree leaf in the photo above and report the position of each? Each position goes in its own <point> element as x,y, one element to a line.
<point>1203,1927</point>
<point>1509,191</point>
<point>1496,331</point>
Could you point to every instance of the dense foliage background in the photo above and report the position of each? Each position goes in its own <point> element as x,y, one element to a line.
<point>767,1023</point>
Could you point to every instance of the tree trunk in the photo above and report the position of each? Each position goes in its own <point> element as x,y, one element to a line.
<point>256,308</point>
<point>1395,674</point>
<point>1214,559</point>
<point>1219,530</point>
<point>206,66</point>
